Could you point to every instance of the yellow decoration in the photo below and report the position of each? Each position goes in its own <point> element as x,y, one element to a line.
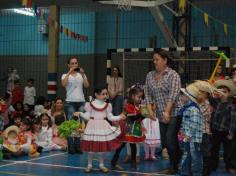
<point>182,5</point>
<point>206,19</point>
<point>24,2</point>
<point>214,71</point>
<point>225,29</point>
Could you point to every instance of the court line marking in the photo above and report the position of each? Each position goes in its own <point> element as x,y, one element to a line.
<point>77,167</point>
<point>23,161</point>
<point>9,164</point>
<point>15,173</point>
<point>65,166</point>
<point>48,156</point>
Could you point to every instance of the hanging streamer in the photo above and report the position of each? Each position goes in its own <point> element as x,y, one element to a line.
<point>182,5</point>
<point>206,19</point>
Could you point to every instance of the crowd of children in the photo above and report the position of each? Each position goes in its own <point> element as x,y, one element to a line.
<point>208,120</point>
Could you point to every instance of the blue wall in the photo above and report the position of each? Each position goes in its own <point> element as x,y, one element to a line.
<point>108,29</point>
<point>127,30</point>
<point>18,36</point>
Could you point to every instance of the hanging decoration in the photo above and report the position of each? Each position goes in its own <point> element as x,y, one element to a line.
<point>206,19</point>
<point>216,22</point>
<point>225,29</point>
<point>182,5</point>
<point>41,14</point>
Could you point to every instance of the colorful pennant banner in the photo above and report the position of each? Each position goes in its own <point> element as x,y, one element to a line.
<point>41,14</point>
<point>216,22</point>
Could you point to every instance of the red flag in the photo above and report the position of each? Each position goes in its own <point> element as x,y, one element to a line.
<point>29,3</point>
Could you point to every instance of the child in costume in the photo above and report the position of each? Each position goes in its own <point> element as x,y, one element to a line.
<point>44,135</point>
<point>26,139</point>
<point>191,162</point>
<point>152,136</point>
<point>134,131</point>
<point>99,136</point>
<point>11,145</point>
<point>223,125</point>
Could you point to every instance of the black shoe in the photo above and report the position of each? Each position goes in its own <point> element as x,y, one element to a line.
<point>39,149</point>
<point>133,166</point>
<point>71,149</point>
<point>77,150</point>
<point>7,155</point>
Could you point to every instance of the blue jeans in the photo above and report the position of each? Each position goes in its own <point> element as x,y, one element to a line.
<point>117,105</point>
<point>71,107</point>
<point>191,162</point>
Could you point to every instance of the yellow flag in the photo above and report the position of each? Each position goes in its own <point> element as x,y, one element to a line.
<point>24,2</point>
<point>206,19</point>
<point>182,4</point>
<point>69,32</point>
<point>225,29</point>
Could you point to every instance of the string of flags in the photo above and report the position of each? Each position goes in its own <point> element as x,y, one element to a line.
<point>206,16</point>
<point>41,14</point>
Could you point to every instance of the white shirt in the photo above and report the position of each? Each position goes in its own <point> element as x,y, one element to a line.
<point>74,88</point>
<point>44,137</point>
<point>29,94</point>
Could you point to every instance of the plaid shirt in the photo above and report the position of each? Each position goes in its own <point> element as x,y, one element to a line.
<point>192,122</point>
<point>162,91</point>
<point>206,114</point>
<point>224,117</point>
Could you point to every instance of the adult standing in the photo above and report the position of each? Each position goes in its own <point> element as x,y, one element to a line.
<point>162,88</point>
<point>74,81</point>
<point>12,77</point>
<point>219,74</point>
<point>115,89</point>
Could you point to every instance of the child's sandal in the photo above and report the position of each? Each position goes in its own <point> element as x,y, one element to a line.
<point>88,170</point>
<point>104,170</point>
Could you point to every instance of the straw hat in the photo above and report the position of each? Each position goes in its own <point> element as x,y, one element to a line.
<point>227,83</point>
<point>191,91</point>
<point>10,129</point>
<point>206,87</point>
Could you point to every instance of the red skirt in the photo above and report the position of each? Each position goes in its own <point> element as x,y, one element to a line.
<point>133,139</point>
<point>100,146</point>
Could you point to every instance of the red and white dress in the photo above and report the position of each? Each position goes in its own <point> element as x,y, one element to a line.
<point>99,135</point>
<point>152,127</point>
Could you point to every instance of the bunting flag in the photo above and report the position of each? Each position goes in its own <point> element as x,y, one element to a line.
<point>214,21</point>
<point>40,13</point>
<point>65,31</point>
<point>206,19</point>
<point>182,5</point>
<point>29,4</point>
<point>24,3</point>
<point>225,29</point>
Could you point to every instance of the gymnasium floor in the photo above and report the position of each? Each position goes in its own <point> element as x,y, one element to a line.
<point>63,164</point>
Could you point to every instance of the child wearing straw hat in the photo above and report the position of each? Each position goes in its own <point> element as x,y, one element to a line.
<point>191,162</point>
<point>205,91</point>
<point>223,125</point>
